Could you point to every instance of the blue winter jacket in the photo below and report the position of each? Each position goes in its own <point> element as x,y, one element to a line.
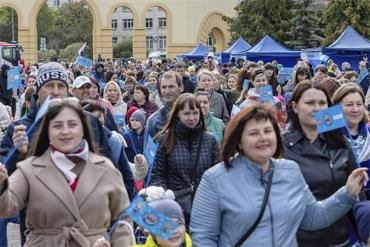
<point>228,202</point>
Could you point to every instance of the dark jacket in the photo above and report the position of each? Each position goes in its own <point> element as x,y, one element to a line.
<point>325,171</point>
<point>188,84</point>
<point>228,99</point>
<point>135,143</point>
<point>148,107</point>
<point>5,94</point>
<point>173,171</point>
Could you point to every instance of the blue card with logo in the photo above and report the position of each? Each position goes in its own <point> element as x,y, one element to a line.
<point>150,150</point>
<point>246,84</point>
<point>266,95</point>
<point>14,78</point>
<point>120,121</point>
<point>285,74</point>
<point>330,119</point>
<point>151,219</point>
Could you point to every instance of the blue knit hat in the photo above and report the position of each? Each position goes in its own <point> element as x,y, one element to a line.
<point>139,115</point>
<point>169,208</point>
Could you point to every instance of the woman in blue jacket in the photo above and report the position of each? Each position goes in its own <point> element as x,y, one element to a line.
<point>230,194</point>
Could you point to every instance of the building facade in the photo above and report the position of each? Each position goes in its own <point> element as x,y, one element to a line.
<point>185,24</point>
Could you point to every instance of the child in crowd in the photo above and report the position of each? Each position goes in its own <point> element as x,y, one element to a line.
<point>134,137</point>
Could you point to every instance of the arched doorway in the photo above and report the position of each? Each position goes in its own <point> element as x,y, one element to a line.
<point>214,32</point>
<point>95,35</point>
<point>62,29</point>
<point>8,24</point>
<point>122,32</point>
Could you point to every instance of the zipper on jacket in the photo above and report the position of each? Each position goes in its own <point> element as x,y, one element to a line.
<point>332,174</point>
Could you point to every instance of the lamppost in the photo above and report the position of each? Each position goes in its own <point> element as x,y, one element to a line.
<point>13,32</point>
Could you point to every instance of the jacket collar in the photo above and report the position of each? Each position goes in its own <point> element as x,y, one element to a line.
<point>54,180</point>
<point>253,167</point>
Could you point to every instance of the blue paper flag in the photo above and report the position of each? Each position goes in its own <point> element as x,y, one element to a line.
<point>14,78</point>
<point>285,74</point>
<point>246,84</point>
<point>43,109</point>
<point>120,121</point>
<point>150,150</point>
<point>151,219</point>
<point>363,74</point>
<point>266,95</point>
<point>84,61</point>
<point>102,85</point>
<point>330,119</point>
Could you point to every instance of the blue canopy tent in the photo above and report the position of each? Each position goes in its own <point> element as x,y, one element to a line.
<point>236,50</point>
<point>349,47</point>
<point>267,50</point>
<point>197,53</point>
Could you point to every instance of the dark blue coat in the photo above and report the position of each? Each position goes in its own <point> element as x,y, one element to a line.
<point>135,143</point>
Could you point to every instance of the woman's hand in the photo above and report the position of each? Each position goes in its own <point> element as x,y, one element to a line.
<point>3,174</point>
<point>356,180</point>
<point>101,242</point>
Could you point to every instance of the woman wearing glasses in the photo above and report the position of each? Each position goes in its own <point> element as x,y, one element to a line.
<point>61,183</point>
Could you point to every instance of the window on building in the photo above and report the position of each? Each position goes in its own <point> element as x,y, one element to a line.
<point>114,23</point>
<point>125,9</point>
<point>162,22</point>
<point>162,42</point>
<point>211,40</point>
<point>149,42</point>
<point>56,3</point>
<point>114,40</point>
<point>128,23</point>
<point>149,22</point>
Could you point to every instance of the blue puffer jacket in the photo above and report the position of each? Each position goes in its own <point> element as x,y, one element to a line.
<point>228,202</point>
<point>99,134</point>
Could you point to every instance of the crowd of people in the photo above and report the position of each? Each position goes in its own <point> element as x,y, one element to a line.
<point>229,170</point>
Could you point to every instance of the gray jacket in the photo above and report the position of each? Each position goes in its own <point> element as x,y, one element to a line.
<point>227,203</point>
<point>218,106</point>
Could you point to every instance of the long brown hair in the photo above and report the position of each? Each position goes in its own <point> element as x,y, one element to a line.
<point>235,128</point>
<point>42,142</point>
<point>168,131</point>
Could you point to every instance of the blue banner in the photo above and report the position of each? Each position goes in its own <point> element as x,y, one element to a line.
<point>43,109</point>
<point>14,78</point>
<point>246,84</point>
<point>266,95</point>
<point>84,61</point>
<point>285,74</point>
<point>150,150</point>
<point>120,121</point>
<point>151,219</point>
<point>330,119</point>
<point>363,74</point>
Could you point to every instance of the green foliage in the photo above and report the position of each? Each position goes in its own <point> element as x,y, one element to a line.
<point>305,31</point>
<point>70,51</point>
<point>341,13</point>
<point>123,49</point>
<point>6,24</point>
<point>46,55</point>
<point>63,27</point>
<point>257,18</point>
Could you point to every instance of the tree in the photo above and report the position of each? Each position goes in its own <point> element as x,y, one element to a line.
<point>341,13</point>
<point>123,48</point>
<point>6,24</point>
<point>257,18</point>
<point>70,51</point>
<point>46,55</point>
<point>46,28</point>
<point>75,25</point>
<point>305,31</point>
